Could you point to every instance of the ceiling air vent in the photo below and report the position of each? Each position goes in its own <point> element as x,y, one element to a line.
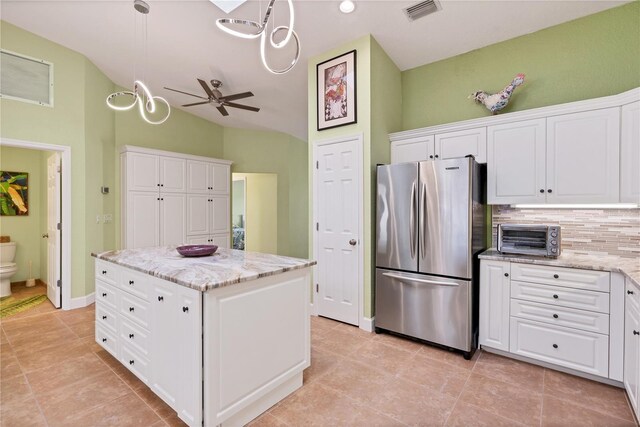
<point>422,9</point>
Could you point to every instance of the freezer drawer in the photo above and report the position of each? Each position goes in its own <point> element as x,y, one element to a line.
<point>430,308</point>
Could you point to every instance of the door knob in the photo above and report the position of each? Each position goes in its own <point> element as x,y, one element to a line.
<point>45,236</point>
<point>353,242</point>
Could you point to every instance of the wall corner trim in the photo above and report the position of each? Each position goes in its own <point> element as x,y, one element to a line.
<point>367,323</point>
<point>80,302</point>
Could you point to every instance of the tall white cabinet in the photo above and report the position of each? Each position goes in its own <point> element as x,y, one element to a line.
<point>172,198</point>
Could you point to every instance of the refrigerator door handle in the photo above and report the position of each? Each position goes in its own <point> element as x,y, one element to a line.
<point>423,215</point>
<point>412,220</point>
<point>411,279</point>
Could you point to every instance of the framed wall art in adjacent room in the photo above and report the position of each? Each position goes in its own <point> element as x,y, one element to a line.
<point>14,193</point>
<point>336,88</point>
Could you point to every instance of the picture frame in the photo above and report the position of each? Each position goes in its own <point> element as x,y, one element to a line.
<point>337,91</point>
<point>14,193</point>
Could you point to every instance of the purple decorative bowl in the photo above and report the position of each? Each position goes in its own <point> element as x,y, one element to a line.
<point>196,250</point>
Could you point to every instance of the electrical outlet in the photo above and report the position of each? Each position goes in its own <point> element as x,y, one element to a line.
<point>108,218</point>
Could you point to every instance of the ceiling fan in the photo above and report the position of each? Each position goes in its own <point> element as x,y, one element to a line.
<point>215,97</point>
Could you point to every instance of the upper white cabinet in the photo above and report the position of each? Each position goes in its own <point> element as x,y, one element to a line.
<point>412,150</point>
<point>583,157</point>
<point>630,154</point>
<point>168,198</point>
<point>516,163</point>
<point>462,143</point>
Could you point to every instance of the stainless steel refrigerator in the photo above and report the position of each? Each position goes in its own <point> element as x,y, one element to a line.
<point>430,229</point>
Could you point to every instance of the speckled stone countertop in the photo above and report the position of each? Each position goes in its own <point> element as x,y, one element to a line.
<point>225,267</point>
<point>630,267</point>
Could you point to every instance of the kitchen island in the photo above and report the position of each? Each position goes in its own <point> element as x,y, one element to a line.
<point>219,338</point>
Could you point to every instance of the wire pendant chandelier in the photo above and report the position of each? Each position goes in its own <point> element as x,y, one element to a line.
<point>257,29</point>
<point>141,95</point>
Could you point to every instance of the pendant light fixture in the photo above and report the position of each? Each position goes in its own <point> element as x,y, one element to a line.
<point>141,95</point>
<point>256,29</point>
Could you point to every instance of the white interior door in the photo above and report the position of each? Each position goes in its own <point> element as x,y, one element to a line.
<point>53,219</point>
<point>338,181</point>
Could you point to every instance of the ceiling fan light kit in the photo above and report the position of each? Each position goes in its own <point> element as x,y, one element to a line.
<point>259,30</point>
<point>141,94</point>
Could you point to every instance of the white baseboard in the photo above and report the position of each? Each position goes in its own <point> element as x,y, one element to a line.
<point>312,309</point>
<point>366,324</point>
<point>80,302</point>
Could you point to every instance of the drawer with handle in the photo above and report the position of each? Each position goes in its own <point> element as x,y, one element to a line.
<point>571,348</point>
<point>570,317</point>
<point>135,309</point>
<point>136,363</point>
<point>107,271</point>
<point>562,297</point>
<point>135,336</point>
<point>558,276</point>
<point>135,283</point>
<point>106,294</point>
<point>106,318</point>
<point>107,340</point>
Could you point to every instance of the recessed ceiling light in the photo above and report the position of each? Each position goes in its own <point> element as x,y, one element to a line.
<point>347,6</point>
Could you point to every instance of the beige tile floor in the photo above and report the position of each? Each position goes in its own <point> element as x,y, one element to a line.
<point>52,373</point>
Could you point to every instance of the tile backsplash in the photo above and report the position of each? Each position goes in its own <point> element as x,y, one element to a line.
<point>588,231</point>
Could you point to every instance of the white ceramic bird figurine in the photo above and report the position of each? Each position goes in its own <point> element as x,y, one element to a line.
<point>498,101</point>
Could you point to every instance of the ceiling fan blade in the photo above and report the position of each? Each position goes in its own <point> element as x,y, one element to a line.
<point>186,93</point>
<point>206,88</point>
<point>195,103</point>
<point>242,107</point>
<point>223,110</point>
<point>236,96</point>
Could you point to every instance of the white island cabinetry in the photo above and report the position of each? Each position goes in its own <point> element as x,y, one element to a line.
<point>220,343</point>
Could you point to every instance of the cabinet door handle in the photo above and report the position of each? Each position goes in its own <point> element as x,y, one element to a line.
<point>437,156</point>
<point>131,282</point>
<point>104,340</point>
<point>131,336</point>
<point>431,156</point>
<point>104,295</point>
<point>104,271</point>
<point>506,274</point>
<point>555,346</point>
<point>131,362</point>
<point>555,296</point>
<point>555,316</point>
<point>555,276</point>
<point>636,333</point>
<point>161,185</point>
<point>542,190</point>
<point>104,317</point>
<point>185,309</point>
<point>131,308</point>
<point>549,191</point>
<point>160,298</point>
<point>629,292</point>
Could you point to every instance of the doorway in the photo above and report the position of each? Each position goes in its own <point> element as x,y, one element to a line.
<point>54,240</point>
<point>255,212</point>
<point>338,227</point>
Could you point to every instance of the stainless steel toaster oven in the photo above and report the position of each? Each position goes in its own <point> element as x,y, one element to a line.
<point>529,239</point>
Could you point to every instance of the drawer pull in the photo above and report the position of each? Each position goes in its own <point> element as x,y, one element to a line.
<point>104,317</point>
<point>104,340</point>
<point>636,333</point>
<point>555,296</point>
<point>104,271</point>
<point>555,276</point>
<point>131,336</point>
<point>160,298</point>
<point>131,309</point>
<point>506,274</point>
<point>629,292</point>
<point>555,346</point>
<point>185,309</point>
<point>131,282</point>
<point>555,316</point>
<point>131,362</point>
<point>104,294</point>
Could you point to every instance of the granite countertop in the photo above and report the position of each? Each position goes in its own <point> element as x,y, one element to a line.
<point>225,267</point>
<point>630,267</point>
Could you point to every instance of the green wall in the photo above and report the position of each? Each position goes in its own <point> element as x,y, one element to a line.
<point>379,101</point>
<point>26,230</point>
<point>590,57</point>
<point>273,152</point>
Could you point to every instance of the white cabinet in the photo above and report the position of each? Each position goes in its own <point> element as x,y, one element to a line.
<point>632,345</point>
<point>583,157</point>
<point>413,149</point>
<point>170,198</point>
<point>177,351</point>
<point>630,153</point>
<point>494,304</point>
<point>462,143</point>
<point>516,163</point>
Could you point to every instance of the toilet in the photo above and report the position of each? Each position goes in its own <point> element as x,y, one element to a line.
<point>7,267</point>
